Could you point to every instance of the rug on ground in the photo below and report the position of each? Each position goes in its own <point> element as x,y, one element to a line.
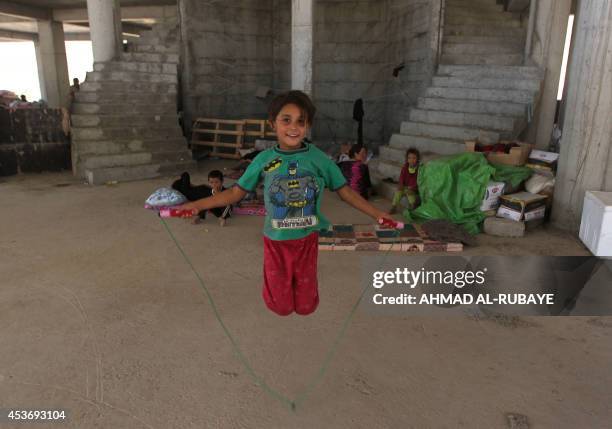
<point>363,237</point>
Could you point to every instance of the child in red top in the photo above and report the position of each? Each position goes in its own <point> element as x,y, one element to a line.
<point>408,182</point>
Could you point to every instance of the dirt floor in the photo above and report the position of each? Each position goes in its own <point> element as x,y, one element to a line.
<point>100,315</point>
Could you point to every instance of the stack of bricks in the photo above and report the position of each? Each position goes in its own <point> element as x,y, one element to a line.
<point>368,237</point>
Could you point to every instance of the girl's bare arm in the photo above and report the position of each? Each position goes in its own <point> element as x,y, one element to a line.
<point>225,198</point>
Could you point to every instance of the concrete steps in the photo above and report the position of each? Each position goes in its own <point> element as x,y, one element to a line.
<point>487,14</point>
<point>87,121</point>
<point>486,6</point>
<point>108,147</point>
<point>490,71</point>
<point>487,94</point>
<point>135,66</point>
<point>124,108</point>
<point>90,162</point>
<point>102,175</point>
<point>532,85</point>
<point>448,132</point>
<point>154,49</point>
<point>500,21</point>
<point>111,97</point>
<point>130,76</point>
<point>480,49</point>
<point>128,88</point>
<point>144,57</point>
<point>132,132</point>
<point>485,30</point>
<point>519,43</point>
<point>480,91</point>
<point>498,59</point>
<point>425,144</point>
<point>463,119</point>
<point>125,123</point>
<point>472,106</point>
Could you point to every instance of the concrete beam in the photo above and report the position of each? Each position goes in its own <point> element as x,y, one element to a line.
<point>126,28</point>
<point>132,12</point>
<point>17,35</point>
<point>24,11</point>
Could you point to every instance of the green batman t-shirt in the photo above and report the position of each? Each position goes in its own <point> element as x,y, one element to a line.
<point>293,189</point>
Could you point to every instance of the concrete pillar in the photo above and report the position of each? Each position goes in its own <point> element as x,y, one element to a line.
<point>302,45</point>
<point>105,29</point>
<point>586,154</point>
<point>52,64</point>
<point>547,53</point>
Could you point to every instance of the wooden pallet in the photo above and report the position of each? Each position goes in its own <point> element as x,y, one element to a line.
<point>257,129</point>
<point>224,136</point>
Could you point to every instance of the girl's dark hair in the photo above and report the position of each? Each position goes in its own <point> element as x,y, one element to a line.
<point>298,98</point>
<point>415,152</point>
<point>355,149</point>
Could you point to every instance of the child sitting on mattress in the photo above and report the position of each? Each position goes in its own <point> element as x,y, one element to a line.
<point>295,174</point>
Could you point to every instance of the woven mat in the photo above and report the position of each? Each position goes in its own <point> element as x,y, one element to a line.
<point>250,208</point>
<point>377,238</point>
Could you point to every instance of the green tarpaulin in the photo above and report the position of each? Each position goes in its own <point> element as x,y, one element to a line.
<point>453,188</point>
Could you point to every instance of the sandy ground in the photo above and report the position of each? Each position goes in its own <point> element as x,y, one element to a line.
<point>100,315</point>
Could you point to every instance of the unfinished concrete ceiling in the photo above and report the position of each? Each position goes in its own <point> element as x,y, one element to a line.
<point>18,17</point>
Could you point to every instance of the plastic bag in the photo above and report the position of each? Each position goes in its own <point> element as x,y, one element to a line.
<point>538,183</point>
<point>164,197</point>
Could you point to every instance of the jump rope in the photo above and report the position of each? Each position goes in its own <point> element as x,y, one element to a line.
<point>302,395</point>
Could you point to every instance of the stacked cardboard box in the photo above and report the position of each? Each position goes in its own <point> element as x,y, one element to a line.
<point>522,206</point>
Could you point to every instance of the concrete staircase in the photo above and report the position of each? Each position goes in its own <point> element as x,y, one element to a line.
<point>480,91</point>
<point>124,119</point>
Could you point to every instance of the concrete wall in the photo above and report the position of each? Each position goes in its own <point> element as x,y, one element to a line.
<point>281,45</point>
<point>412,28</point>
<point>350,49</point>
<point>231,48</point>
<point>227,52</point>
<point>357,46</point>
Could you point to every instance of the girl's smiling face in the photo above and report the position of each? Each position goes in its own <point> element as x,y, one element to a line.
<point>291,127</point>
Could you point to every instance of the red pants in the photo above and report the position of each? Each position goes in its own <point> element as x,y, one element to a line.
<point>290,275</point>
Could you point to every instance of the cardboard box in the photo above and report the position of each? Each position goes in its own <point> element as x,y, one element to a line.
<point>517,157</point>
<point>491,199</point>
<point>543,162</point>
<point>522,206</point>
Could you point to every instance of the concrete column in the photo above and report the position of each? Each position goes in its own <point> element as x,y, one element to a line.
<point>302,45</point>
<point>547,53</point>
<point>52,64</point>
<point>586,154</point>
<point>105,29</point>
